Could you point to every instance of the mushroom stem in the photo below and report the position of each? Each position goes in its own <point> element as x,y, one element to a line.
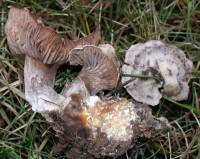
<point>39,80</point>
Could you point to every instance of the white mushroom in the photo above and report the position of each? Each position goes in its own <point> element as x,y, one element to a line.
<point>156,59</point>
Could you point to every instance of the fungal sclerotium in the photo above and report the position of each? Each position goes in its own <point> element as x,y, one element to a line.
<point>168,67</point>
<point>86,124</point>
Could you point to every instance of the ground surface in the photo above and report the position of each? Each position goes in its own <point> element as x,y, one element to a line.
<point>24,134</point>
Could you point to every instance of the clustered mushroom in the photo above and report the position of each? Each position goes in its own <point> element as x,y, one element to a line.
<point>45,51</point>
<point>87,125</point>
<point>168,68</point>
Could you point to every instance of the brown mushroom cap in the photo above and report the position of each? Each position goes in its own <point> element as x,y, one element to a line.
<point>156,58</point>
<point>100,67</point>
<point>27,35</point>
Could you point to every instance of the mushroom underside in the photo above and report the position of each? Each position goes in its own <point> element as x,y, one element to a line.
<point>27,35</point>
<point>100,67</point>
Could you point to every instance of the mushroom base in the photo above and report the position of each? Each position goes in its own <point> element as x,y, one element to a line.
<point>104,128</point>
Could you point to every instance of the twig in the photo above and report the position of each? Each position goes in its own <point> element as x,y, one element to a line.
<point>141,76</point>
<point>119,87</point>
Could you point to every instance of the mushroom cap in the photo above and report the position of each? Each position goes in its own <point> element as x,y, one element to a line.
<point>154,58</point>
<point>46,50</point>
<point>27,35</point>
<point>100,67</point>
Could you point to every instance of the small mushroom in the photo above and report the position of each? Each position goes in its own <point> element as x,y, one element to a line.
<point>154,58</point>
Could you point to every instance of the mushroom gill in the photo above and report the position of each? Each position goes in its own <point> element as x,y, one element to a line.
<point>27,35</point>
<point>100,67</point>
<point>156,59</point>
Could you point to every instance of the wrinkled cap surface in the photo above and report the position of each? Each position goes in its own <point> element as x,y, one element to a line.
<point>27,35</point>
<point>154,58</point>
<point>100,67</point>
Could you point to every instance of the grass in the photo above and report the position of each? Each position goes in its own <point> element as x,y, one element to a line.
<point>24,134</point>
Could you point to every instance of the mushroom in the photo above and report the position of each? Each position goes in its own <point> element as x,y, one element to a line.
<point>100,70</point>
<point>86,124</point>
<point>157,60</point>
<point>45,50</point>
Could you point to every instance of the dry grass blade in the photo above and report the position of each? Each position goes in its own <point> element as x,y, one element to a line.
<point>186,153</point>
